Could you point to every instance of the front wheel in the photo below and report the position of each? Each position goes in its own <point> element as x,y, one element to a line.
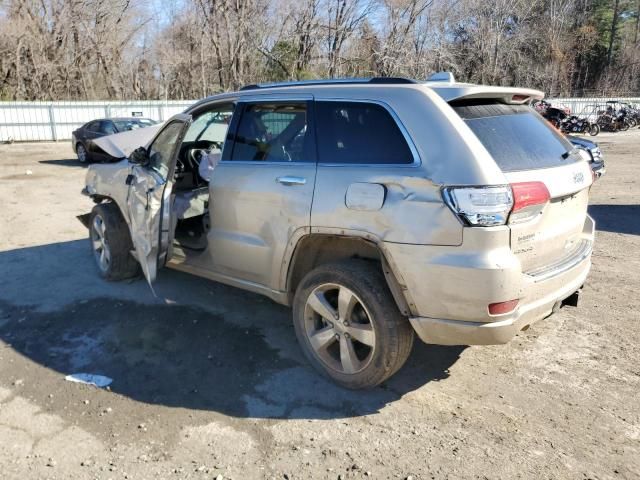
<point>83,156</point>
<point>348,324</point>
<point>594,129</point>
<point>111,243</point>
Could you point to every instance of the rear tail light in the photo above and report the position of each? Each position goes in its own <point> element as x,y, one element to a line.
<point>501,308</point>
<point>492,205</point>
<point>480,206</point>
<point>529,198</point>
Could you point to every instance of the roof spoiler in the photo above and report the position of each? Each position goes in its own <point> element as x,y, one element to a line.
<point>442,77</point>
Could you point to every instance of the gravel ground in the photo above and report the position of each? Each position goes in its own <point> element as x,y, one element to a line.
<point>208,381</point>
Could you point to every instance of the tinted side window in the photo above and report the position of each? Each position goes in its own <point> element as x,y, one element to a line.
<point>107,127</point>
<point>357,132</point>
<point>92,126</point>
<point>273,132</point>
<point>515,135</point>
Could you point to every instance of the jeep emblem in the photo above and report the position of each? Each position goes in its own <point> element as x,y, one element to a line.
<point>578,177</point>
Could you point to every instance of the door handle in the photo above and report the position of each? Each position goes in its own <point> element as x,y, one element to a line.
<point>289,180</point>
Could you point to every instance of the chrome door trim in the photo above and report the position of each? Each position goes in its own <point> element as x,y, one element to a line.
<point>262,162</point>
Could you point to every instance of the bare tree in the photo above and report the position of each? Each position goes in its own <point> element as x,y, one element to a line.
<point>342,19</point>
<point>95,49</point>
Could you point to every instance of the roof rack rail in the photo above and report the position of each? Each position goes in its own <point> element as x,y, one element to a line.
<point>332,81</point>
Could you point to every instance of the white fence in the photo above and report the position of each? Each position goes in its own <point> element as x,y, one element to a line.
<point>589,106</point>
<point>47,121</point>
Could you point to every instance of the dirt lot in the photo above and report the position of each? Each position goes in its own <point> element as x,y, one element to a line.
<point>209,381</point>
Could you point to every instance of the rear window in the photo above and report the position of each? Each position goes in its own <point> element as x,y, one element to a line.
<point>516,136</point>
<point>126,125</point>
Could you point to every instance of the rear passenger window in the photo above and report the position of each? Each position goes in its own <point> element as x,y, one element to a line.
<point>357,133</point>
<point>275,132</point>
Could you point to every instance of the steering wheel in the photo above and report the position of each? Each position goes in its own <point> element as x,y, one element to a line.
<point>195,155</point>
<point>216,145</point>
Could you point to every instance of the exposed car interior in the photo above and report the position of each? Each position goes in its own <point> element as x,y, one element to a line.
<point>191,192</point>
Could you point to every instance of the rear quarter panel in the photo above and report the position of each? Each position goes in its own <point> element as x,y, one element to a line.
<point>413,211</point>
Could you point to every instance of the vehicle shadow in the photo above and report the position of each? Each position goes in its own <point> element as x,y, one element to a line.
<point>198,345</point>
<point>67,162</point>
<point>617,218</point>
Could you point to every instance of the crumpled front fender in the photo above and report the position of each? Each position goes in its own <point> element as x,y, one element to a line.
<point>109,180</point>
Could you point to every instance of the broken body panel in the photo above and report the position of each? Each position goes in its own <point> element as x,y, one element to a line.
<point>142,194</point>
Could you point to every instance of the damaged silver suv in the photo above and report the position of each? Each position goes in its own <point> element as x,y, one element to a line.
<point>375,208</point>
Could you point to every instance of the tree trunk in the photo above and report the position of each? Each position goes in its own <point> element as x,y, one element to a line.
<point>614,30</point>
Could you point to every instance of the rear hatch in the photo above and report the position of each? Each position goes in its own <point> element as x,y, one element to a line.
<point>530,152</point>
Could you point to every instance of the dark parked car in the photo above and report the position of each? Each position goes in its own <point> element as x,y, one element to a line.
<point>597,160</point>
<point>81,139</point>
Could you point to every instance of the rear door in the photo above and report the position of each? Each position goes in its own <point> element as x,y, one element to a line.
<point>261,191</point>
<point>528,149</point>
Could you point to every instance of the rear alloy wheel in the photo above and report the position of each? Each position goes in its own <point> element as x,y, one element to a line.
<point>339,328</point>
<point>349,326</point>
<point>82,153</point>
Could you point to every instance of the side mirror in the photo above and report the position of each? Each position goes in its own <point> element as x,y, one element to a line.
<point>139,156</point>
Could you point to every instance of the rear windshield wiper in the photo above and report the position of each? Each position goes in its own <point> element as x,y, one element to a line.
<point>567,154</point>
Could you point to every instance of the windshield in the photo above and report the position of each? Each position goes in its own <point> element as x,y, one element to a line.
<point>211,126</point>
<point>516,136</point>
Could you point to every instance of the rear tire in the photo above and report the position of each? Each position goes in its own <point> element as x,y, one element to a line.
<point>111,243</point>
<point>360,339</point>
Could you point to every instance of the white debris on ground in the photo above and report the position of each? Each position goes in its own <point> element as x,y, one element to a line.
<point>89,379</point>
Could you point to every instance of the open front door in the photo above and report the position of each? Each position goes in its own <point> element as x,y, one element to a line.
<point>149,198</point>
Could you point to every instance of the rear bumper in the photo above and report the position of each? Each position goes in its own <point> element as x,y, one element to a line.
<point>449,288</point>
<point>456,332</point>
